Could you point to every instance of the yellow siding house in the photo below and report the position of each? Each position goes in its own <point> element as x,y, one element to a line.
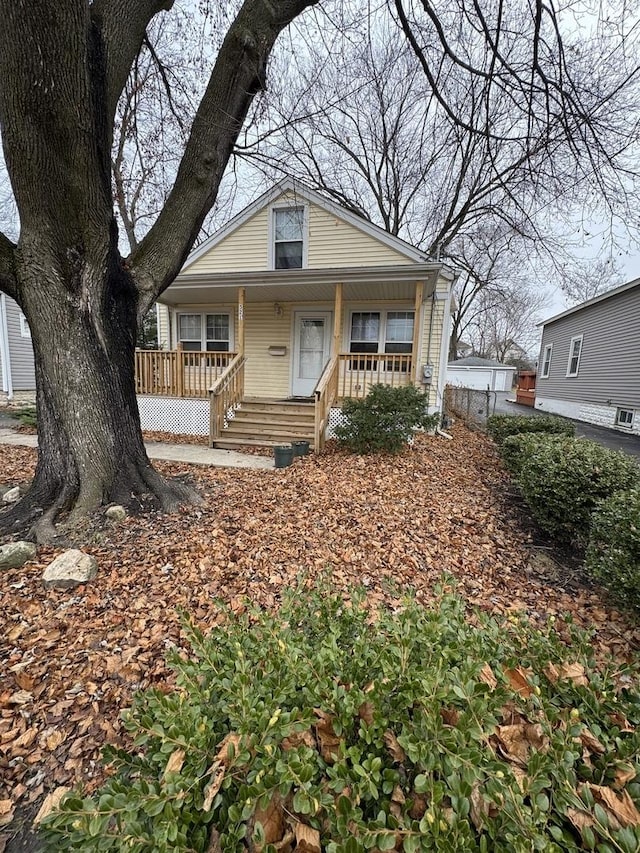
<point>293,306</point>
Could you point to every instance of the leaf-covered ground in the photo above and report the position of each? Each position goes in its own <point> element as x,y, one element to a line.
<point>69,661</point>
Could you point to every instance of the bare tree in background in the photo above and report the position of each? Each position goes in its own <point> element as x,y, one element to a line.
<point>471,131</point>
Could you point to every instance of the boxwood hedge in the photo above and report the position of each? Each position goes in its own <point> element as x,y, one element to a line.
<point>563,480</point>
<point>501,426</point>
<point>613,555</point>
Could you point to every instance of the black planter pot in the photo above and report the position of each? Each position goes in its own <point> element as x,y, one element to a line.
<point>300,448</point>
<point>283,456</point>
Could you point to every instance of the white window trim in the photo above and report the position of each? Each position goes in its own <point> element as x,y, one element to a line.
<point>203,326</point>
<point>549,348</point>
<point>625,425</point>
<point>25,331</point>
<point>382,340</point>
<point>573,341</point>
<point>283,205</point>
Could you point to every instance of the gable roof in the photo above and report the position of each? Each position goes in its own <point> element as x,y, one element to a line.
<point>606,295</point>
<point>312,197</point>
<point>475,361</point>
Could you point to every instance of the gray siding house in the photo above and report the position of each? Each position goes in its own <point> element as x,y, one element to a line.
<point>16,352</point>
<point>589,365</point>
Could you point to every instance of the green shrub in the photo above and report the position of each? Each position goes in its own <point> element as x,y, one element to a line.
<point>501,426</point>
<point>415,731</point>
<point>384,421</point>
<point>613,555</point>
<point>564,479</point>
<point>515,449</point>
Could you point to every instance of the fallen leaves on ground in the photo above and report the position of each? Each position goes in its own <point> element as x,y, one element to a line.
<point>71,660</point>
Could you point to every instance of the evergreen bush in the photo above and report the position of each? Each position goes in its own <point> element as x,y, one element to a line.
<point>564,479</point>
<point>324,727</point>
<point>384,421</point>
<point>613,555</point>
<point>501,426</point>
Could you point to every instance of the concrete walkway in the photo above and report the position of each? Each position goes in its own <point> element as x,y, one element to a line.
<point>193,454</point>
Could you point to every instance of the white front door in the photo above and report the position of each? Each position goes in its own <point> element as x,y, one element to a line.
<point>312,341</point>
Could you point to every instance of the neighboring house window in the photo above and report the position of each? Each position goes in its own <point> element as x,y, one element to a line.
<point>381,332</point>
<point>288,243</point>
<point>211,332</point>
<point>575,350</point>
<point>624,417</point>
<point>25,331</point>
<point>546,361</point>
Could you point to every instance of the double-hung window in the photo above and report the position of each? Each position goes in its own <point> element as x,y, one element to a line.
<point>288,238</point>
<point>381,332</point>
<point>575,351</point>
<point>546,361</point>
<point>210,332</point>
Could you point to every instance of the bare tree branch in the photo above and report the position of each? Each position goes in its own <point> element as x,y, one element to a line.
<point>239,72</point>
<point>121,25</point>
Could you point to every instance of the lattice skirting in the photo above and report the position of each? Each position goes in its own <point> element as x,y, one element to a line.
<point>174,414</point>
<point>335,418</point>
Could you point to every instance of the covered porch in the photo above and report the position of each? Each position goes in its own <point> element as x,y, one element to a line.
<point>312,337</point>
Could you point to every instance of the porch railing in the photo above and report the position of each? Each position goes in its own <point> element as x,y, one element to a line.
<point>226,396</point>
<point>326,391</point>
<point>179,373</point>
<point>357,372</point>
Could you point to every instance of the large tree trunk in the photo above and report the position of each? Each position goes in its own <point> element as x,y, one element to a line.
<point>91,451</point>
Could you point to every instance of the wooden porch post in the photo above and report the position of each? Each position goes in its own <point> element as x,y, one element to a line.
<point>337,320</point>
<point>416,331</point>
<point>240,341</point>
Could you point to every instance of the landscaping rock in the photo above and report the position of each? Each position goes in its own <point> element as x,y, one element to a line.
<point>70,569</point>
<point>116,513</point>
<point>12,495</point>
<point>15,554</point>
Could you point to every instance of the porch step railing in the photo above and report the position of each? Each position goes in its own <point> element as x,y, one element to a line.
<point>179,373</point>
<point>326,392</point>
<point>226,396</point>
<point>357,372</point>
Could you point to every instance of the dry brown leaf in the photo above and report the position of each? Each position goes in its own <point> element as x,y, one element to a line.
<point>617,803</point>
<point>175,762</point>
<point>517,741</point>
<point>365,712</point>
<point>232,739</point>
<point>328,741</point>
<point>216,771</point>
<point>486,675</point>
<point>272,820</point>
<point>480,807</point>
<point>574,672</point>
<point>518,680</point>
<point>418,806</point>
<point>51,802</point>
<point>623,773</point>
<point>450,716</point>
<point>621,722</point>
<point>395,750</point>
<point>307,839</point>
<point>552,672</point>
<point>591,742</point>
<point>580,819</point>
<point>54,740</point>
<point>296,739</point>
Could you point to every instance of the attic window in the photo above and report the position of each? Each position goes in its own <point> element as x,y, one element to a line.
<point>288,238</point>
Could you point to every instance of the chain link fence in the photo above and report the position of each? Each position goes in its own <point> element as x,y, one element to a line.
<point>471,405</point>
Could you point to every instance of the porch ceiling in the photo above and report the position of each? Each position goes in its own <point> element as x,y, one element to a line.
<point>360,284</point>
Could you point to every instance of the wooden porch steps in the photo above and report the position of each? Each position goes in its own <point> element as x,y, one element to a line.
<point>269,423</point>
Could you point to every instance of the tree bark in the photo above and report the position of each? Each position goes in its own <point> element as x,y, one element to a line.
<point>91,450</point>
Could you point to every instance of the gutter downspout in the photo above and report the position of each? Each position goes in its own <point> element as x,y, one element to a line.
<point>7,383</point>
